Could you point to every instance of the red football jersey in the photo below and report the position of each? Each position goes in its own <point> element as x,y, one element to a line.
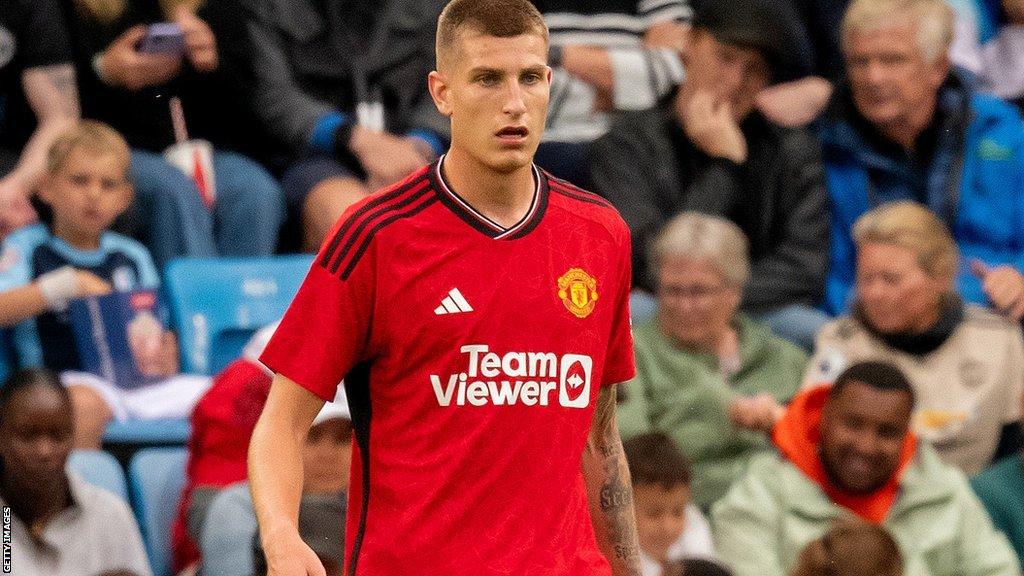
<point>472,356</point>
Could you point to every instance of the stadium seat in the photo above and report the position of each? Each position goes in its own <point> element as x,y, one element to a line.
<point>165,431</point>
<point>156,477</point>
<point>217,303</point>
<point>99,469</point>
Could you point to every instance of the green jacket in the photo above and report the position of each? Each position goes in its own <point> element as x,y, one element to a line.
<point>1001,489</point>
<point>770,515</point>
<point>685,396</point>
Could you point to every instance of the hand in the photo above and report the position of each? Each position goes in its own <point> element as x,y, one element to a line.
<point>88,284</point>
<point>386,158</point>
<point>200,43</point>
<point>123,66</point>
<point>795,103</point>
<point>671,35</point>
<point>1004,287</point>
<point>169,354</point>
<point>712,128</point>
<point>759,413</point>
<point>288,555</point>
<point>15,209</point>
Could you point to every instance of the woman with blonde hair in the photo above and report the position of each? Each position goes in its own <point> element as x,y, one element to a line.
<point>965,363</point>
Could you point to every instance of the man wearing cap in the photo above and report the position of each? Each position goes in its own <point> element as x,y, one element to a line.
<point>709,150</point>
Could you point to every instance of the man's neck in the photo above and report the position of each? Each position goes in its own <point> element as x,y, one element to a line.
<point>504,197</point>
<point>906,132</point>
<point>31,506</point>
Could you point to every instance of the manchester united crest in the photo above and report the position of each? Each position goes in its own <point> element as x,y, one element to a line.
<point>578,291</point>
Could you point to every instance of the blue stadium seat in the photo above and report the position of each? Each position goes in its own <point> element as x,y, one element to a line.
<point>164,431</point>
<point>217,303</point>
<point>156,477</point>
<point>99,469</point>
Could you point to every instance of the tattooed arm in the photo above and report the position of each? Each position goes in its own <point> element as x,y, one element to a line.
<point>609,489</point>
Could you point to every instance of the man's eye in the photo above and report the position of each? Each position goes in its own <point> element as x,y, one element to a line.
<point>531,78</point>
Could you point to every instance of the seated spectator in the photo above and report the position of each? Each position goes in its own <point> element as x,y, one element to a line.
<point>669,526</point>
<point>605,58</point>
<point>129,88</point>
<point>847,450</point>
<point>1001,490</point>
<point>851,548</point>
<point>989,42</point>
<point>72,255</point>
<point>695,567</point>
<point>708,376</point>
<point>965,363</point>
<point>710,151</point>
<point>59,524</point>
<point>39,100</point>
<point>337,96</point>
<point>907,128</point>
<point>229,537</point>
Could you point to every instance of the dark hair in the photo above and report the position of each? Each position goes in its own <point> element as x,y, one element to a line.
<point>654,458</point>
<point>25,379</point>
<point>878,375</point>
<point>501,18</point>
<point>696,567</point>
<point>851,548</point>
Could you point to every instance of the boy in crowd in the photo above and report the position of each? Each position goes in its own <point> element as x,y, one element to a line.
<point>669,526</point>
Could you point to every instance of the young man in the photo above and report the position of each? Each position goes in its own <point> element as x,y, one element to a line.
<point>478,312</point>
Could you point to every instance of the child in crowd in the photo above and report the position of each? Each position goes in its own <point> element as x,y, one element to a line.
<point>669,526</point>
<point>851,548</point>
<point>43,267</point>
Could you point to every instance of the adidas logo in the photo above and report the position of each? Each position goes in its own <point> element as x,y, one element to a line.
<point>453,303</point>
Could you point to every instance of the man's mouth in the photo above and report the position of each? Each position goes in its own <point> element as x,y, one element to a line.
<point>513,132</point>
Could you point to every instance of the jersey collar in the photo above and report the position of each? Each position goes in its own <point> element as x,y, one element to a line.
<point>482,223</point>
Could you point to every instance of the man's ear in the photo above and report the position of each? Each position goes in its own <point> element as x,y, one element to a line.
<point>939,70</point>
<point>437,83</point>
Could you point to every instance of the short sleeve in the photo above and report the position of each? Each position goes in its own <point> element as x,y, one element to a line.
<point>15,263</point>
<point>44,39</point>
<point>619,363</point>
<point>326,330</point>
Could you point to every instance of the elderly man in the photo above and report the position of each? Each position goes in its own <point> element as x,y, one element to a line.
<point>709,150</point>
<point>906,128</point>
<point>846,450</point>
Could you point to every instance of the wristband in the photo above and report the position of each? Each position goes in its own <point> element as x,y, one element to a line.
<point>58,287</point>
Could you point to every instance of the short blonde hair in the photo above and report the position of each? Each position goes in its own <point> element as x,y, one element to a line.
<point>911,226</point>
<point>698,236</point>
<point>91,136</point>
<point>934,20</point>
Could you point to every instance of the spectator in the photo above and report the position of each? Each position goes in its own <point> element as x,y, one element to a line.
<point>337,96</point>
<point>606,57</point>
<point>851,548</point>
<point>1001,490</point>
<point>989,42</point>
<point>965,363</point>
<point>36,80</point>
<point>73,255</point>
<point>708,150</point>
<point>708,376</point>
<point>669,526</point>
<point>848,450</point>
<point>696,567</point>
<point>907,128</point>
<point>129,88</point>
<point>59,524</point>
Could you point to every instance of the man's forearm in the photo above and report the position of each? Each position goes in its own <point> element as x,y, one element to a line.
<point>275,477</point>
<point>610,491</point>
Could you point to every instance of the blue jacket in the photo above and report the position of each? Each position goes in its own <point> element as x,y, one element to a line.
<point>974,182</point>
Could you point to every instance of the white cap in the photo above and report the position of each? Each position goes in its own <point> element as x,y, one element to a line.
<point>335,409</point>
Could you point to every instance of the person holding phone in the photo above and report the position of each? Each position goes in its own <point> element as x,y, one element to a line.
<point>131,59</point>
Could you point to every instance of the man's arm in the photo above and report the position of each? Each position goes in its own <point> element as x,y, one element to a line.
<point>275,477</point>
<point>609,490</point>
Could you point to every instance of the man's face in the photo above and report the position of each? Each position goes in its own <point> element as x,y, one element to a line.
<point>732,74</point>
<point>495,90</point>
<point>696,304</point>
<point>862,434</point>
<point>35,438</point>
<point>660,517</point>
<point>889,76</point>
<point>327,457</point>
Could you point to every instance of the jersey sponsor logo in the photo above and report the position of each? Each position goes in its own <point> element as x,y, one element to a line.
<point>453,303</point>
<point>578,291</point>
<point>527,378</point>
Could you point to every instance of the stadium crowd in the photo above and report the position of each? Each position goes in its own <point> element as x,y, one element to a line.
<point>826,199</point>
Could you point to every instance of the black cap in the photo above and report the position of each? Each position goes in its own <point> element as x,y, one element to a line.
<point>772,27</point>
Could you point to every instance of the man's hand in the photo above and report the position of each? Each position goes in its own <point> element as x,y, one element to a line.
<point>15,209</point>
<point>795,103</point>
<point>121,65</point>
<point>758,413</point>
<point>288,555</point>
<point>672,35</point>
<point>1004,287</point>
<point>200,43</point>
<point>385,157</point>
<point>712,128</point>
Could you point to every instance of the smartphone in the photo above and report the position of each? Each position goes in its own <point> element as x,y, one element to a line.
<point>163,38</point>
